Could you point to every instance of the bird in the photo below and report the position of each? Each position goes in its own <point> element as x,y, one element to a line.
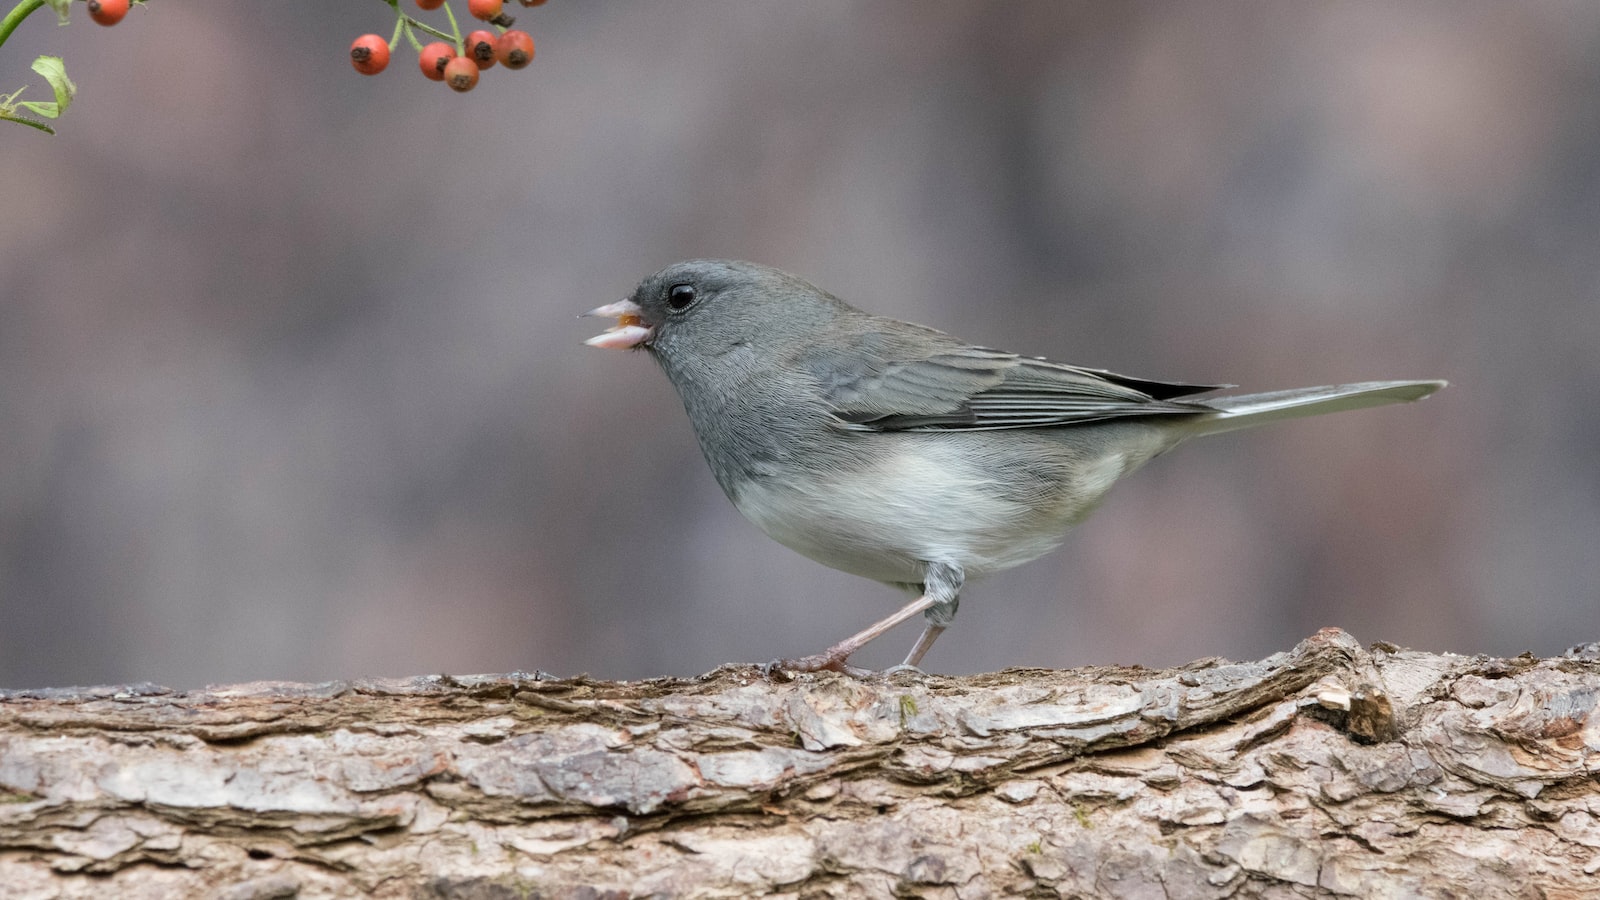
<point>903,454</point>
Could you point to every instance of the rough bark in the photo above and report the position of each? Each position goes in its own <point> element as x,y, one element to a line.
<point>1329,770</point>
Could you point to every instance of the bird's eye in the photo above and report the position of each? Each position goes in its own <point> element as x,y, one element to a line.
<point>679,296</point>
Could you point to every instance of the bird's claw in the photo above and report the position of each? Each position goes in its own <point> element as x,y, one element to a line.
<point>816,662</point>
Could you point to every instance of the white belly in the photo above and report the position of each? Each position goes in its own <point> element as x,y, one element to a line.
<point>928,500</point>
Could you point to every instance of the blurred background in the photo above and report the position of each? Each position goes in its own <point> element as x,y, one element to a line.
<point>291,385</point>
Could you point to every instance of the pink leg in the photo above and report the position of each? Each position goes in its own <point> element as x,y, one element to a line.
<point>928,636</point>
<point>833,658</point>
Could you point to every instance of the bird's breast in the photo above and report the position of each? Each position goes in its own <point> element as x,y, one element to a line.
<point>904,500</point>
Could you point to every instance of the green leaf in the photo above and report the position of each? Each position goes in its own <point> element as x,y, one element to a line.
<point>61,7</point>
<point>55,72</point>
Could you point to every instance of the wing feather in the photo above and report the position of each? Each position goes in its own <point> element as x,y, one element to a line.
<point>900,377</point>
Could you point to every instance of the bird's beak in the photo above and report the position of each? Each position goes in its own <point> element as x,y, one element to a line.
<point>630,330</point>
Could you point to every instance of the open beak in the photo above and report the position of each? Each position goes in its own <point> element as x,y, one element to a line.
<point>630,330</point>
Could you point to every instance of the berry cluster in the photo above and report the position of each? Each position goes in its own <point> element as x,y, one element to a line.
<point>454,60</point>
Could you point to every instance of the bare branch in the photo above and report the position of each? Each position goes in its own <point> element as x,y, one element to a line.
<point>1326,770</point>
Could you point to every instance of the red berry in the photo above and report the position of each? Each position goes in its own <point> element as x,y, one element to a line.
<point>484,9</point>
<point>108,12</point>
<point>434,58</point>
<point>514,49</point>
<point>461,74</point>
<point>429,4</point>
<point>480,48</point>
<point>369,54</point>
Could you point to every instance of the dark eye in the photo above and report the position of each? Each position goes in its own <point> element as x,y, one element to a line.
<point>679,296</point>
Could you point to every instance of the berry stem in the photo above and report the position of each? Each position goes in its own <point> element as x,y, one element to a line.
<point>461,46</point>
<point>411,26</point>
<point>15,17</point>
<point>428,29</point>
<point>7,117</point>
<point>399,26</point>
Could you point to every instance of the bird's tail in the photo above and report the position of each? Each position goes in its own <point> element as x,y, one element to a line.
<point>1249,410</point>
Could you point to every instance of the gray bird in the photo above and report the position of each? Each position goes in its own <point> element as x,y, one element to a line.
<point>903,454</point>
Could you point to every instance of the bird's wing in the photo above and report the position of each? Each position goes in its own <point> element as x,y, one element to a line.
<point>892,379</point>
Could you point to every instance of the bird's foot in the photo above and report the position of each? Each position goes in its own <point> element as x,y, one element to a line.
<point>826,661</point>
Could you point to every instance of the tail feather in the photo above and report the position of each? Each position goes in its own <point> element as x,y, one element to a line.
<point>1249,410</point>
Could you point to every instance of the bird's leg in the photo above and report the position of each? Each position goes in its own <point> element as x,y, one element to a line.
<point>944,582</point>
<point>924,641</point>
<point>833,658</point>
<point>939,599</point>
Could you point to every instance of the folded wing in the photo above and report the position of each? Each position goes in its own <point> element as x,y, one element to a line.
<point>897,379</point>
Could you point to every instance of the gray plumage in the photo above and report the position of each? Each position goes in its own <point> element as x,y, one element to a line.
<point>903,454</point>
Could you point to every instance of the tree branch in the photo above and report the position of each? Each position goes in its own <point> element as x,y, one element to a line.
<point>1327,770</point>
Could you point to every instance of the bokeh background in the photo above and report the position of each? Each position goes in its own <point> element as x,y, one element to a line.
<point>291,384</point>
